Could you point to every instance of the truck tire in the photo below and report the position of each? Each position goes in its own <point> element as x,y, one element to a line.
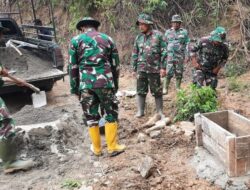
<point>49,85</point>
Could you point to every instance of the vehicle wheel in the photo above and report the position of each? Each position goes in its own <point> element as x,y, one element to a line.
<point>48,87</point>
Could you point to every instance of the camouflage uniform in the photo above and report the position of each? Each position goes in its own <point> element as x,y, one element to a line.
<point>94,73</point>
<point>177,46</point>
<point>209,56</point>
<point>177,41</point>
<point>6,122</point>
<point>148,57</point>
<point>93,58</point>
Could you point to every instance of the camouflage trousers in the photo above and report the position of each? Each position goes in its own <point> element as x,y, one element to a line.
<point>93,99</point>
<point>7,125</point>
<point>175,68</point>
<point>201,76</point>
<point>153,80</point>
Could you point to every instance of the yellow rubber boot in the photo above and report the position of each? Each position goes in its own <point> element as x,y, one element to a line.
<point>111,139</point>
<point>95,137</point>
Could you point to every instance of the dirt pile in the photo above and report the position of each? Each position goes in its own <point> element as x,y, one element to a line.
<point>30,64</point>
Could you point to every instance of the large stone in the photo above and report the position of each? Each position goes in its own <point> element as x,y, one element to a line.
<point>155,134</point>
<point>141,137</point>
<point>145,166</point>
<point>187,127</point>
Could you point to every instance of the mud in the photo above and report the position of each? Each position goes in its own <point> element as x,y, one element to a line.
<point>30,115</point>
<point>210,169</point>
<point>31,63</point>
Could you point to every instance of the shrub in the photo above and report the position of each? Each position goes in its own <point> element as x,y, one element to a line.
<point>194,100</point>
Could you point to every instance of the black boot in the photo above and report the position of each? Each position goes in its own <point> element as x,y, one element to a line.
<point>159,106</point>
<point>140,105</point>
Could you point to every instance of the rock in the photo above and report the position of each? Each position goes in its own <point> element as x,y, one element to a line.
<point>155,181</point>
<point>152,121</point>
<point>187,127</point>
<point>155,134</point>
<point>160,123</point>
<point>146,166</point>
<point>141,138</point>
<point>167,120</point>
<point>154,128</point>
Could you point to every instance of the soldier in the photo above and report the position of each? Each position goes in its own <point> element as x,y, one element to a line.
<point>209,55</point>
<point>94,72</point>
<point>8,147</point>
<point>148,62</point>
<point>177,41</point>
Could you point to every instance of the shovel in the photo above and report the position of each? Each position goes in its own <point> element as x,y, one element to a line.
<point>38,98</point>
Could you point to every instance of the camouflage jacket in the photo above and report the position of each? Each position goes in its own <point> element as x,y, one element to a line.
<point>93,62</point>
<point>149,52</point>
<point>177,44</point>
<point>208,55</point>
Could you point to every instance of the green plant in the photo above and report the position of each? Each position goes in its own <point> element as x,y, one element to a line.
<point>194,100</point>
<point>233,69</point>
<point>71,184</point>
<point>236,86</point>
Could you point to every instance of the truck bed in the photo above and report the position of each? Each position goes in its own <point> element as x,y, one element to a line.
<point>34,65</point>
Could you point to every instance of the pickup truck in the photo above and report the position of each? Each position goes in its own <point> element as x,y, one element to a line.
<point>37,61</point>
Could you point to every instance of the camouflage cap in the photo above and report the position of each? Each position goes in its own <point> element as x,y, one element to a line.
<point>144,18</point>
<point>3,29</point>
<point>215,38</point>
<point>176,18</point>
<point>87,21</point>
<point>219,30</point>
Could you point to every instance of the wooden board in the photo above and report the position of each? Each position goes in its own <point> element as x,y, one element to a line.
<point>231,161</point>
<point>242,146</point>
<point>219,117</point>
<point>214,148</point>
<point>215,132</point>
<point>238,125</point>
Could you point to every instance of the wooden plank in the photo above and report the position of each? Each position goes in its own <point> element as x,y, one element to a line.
<point>241,167</point>
<point>238,125</point>
<point>198,135</point>
<point>214,131</point>
<point>215,149</point>
<point>242,146</point>
<point>231,160</point>
<point>198,129</point>
<point>219,117</point>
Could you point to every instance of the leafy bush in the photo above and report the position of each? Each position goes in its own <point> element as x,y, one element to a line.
<point>236,86</point>
<point>194,100</point>
<point>233,69</point>
<point>71,184</point>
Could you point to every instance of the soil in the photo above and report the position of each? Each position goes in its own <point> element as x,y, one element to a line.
<point>26,66</point>
<point>61,150</point>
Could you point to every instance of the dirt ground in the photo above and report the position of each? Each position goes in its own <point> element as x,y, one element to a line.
<point>62,152</point>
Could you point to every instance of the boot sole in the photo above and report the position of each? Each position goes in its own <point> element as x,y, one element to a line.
<point>115,153</point>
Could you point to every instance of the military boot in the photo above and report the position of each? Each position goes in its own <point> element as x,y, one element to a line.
<point>159,106</point>
<point>140,105</point>
<point>111,138</point>
<point>178,83</point>
<point>8,152</point>
<point>166,83</point>
<point>94,133</point>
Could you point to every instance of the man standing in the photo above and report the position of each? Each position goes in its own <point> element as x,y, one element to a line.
<point>177,40</point>
<point>94,72</point>
<point>8,146</point>
<point>209,55</point>
<point>148,61</point>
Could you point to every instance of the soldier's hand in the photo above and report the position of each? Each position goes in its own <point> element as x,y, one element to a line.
<point>163,73</point>
<point>4,72</point>
<point>20,83</point>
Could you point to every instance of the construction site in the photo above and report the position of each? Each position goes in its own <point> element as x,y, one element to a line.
<point>208,151</point>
